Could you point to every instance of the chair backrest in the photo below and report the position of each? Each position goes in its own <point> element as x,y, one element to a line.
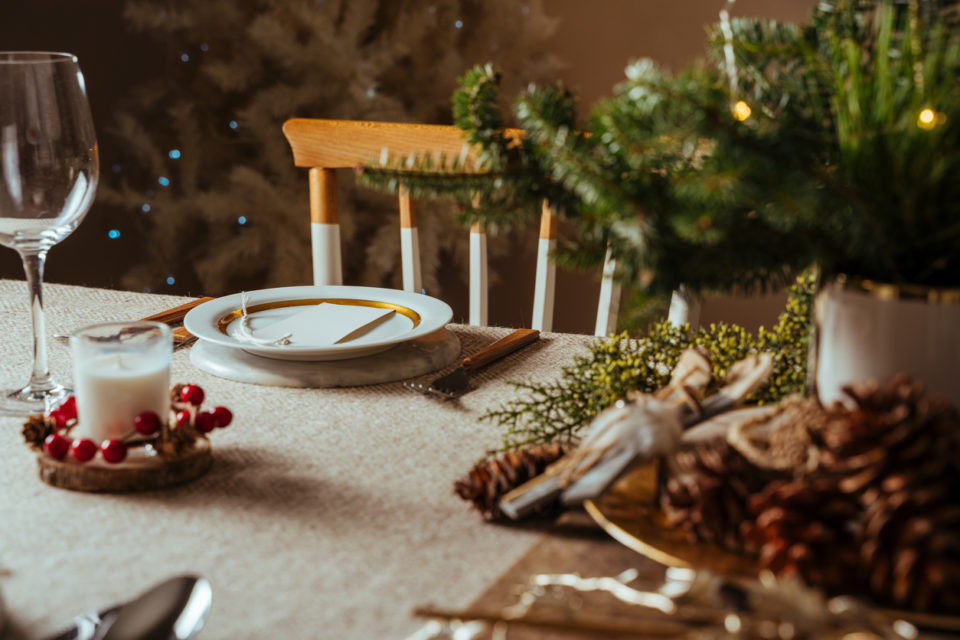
<point>324,146</point>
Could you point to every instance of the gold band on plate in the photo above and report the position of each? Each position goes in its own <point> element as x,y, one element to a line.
<point>885,291</point>
<point>225,320</point>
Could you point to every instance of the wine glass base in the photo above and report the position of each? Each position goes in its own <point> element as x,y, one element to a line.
<point>29,400</point>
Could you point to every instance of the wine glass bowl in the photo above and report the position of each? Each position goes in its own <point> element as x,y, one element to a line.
<point>49,168</point>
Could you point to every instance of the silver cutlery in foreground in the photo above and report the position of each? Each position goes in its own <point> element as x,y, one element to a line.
<point>175,609</point>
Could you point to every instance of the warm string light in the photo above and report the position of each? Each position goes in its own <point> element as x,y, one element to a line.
<point>928,118</point>
<point>741,110</point>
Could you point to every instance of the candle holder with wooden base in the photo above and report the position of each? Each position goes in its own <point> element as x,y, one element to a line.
<point>156,454</point>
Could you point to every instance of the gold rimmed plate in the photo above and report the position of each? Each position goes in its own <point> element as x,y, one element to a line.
<point>628,512</point>
<point>415,315</point>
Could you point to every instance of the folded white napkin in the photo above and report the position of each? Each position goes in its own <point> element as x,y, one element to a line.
<point>324,325</point>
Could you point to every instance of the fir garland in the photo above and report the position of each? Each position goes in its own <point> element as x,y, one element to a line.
<point>555,412</point>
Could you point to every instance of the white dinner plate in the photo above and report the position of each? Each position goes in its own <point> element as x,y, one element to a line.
<point>416,315</point>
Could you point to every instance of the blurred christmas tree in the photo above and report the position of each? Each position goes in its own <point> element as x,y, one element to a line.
<point>207,170</point>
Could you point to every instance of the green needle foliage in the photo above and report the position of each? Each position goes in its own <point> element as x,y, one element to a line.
<point>558,411</point>
<point>833,143</point>
<point>505,182</point>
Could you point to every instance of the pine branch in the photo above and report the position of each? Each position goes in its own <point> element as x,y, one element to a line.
<point>807,144</point>
<point>476,111</point>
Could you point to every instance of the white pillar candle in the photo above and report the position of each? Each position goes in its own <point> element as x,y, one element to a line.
<point>120,371</point>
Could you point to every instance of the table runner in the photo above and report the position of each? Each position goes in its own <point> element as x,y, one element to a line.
<point>328,513</point>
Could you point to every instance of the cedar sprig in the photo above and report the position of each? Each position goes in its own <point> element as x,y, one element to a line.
<point>557,411</point>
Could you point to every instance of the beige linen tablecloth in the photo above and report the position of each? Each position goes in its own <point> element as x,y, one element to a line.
<point>327,513</point>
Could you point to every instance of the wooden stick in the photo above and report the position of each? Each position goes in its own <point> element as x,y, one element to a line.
<point>181,335</point>
<point>500,348</point>
<point>176,314</point>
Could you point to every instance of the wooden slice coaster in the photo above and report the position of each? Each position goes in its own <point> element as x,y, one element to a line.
<point>139,472</point>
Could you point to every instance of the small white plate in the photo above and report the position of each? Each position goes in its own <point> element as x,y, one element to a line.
<point>416,315</point>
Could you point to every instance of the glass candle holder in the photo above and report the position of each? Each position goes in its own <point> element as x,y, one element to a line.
<point>120,370</point>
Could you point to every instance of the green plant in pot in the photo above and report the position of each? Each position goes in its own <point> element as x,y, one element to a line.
<point>832,143</point>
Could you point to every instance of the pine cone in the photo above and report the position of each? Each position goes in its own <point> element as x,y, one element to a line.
<point>803,528</point>
<point>488,481</point>
<point>874,509</point>
<point>896,435</point>
<point>897,453</point>
<point>707,490</point>
<point>37,428</point>
<point>177,440</point>
<point>910,550</point>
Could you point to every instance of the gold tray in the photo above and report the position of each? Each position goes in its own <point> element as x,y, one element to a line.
<point>628,512</point>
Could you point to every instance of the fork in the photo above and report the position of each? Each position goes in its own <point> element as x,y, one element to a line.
<point>457,383</point>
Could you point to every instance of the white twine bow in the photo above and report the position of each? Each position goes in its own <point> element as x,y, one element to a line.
<point>245,334</point>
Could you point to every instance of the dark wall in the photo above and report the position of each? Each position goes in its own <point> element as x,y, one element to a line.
<point>598,39</point>
<point>112,60</point>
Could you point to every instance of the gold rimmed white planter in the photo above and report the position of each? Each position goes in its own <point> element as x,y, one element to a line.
<point>872,331</point>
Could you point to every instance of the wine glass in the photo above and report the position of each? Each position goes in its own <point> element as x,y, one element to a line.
<point>49,169</point>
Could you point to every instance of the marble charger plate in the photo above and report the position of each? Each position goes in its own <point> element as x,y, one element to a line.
<point>407,359</point>
<point>218,321</point>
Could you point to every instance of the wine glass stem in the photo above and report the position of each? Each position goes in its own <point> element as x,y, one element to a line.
<point>33,262</point>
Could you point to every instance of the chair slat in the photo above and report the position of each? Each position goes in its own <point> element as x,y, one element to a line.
<point>609,305</point>
<point>478,275</point>
<point>325,227</point>
<point>545,282</point>
<point>684,308</point>
<point>409,244</point>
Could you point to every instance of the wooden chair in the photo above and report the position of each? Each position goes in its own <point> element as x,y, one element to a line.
<point>324,146</point>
